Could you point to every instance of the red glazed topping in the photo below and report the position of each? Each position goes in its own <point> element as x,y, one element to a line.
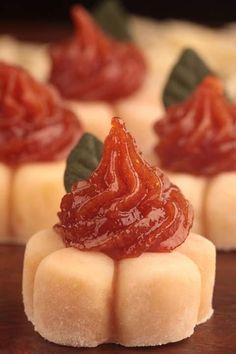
<point>126,207</point>
<point>34,126</point>
<point>92,66</point>
<point>199,135</point>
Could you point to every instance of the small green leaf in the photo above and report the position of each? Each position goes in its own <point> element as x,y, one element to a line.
<point>112,17</point>
<point>83,160</point>
<point>186,74</point>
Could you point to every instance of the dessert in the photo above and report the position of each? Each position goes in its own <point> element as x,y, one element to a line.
<point>36,134</point>
<point>120,255</point>
<point>197,146</point>
<point>94,67</point>
<point>159,42</point>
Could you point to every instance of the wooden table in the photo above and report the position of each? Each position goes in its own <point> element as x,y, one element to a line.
<point>217,336</point>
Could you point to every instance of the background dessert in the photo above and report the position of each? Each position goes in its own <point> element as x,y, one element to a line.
<point>93,66</point>
<point>161,43</point>
<point>37,132</point>
<point>31,56</point>
<point>197,146</point>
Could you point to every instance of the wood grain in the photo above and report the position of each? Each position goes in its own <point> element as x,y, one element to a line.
<point>17,336</point>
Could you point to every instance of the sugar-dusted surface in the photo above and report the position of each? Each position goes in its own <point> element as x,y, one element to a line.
<point>18,337</point>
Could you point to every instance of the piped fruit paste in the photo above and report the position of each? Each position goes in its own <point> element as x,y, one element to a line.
<point>126,207</point>
<point>34,125</point>
<point>198,136</point>
<point>93,66</point>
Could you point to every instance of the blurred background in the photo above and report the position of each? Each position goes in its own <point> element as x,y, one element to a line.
<point>213,12</point>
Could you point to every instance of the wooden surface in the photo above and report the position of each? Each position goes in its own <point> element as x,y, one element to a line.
<point>17,336</point>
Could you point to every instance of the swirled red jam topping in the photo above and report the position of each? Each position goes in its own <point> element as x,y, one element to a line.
<point>93,66</point>
<point>126,207</point>
<point>34,125</point>
<point>199,135</point>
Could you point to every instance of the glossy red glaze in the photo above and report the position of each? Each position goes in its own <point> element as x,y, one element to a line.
<point>34,125</point>
<point>93,66</point>
<point>198,136</point>
<point>126,207</point>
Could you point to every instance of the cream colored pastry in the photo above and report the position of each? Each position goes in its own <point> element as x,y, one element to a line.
<point>71,290</point>
<point>40,246</point>
<point>37,190</point>
<point>149,35</point>
<point>95,116</point>
<point>158,297</point>
<point>30,196</point>
<point>203,254</point>
<point>8,48</point>
<point>140,111</point>
<point>230,83</point>
<point>140,118</point>
<point>30,56</point>
<point>193,188</point>
<point>164,40</point>
<point>220,211</point>
<point>85,298</point>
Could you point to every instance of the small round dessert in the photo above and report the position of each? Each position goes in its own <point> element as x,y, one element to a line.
<point>119,256</point>
<point>93,66</point>
<point>94,70</point>
<point>197,146</point>
<point>36,134</point>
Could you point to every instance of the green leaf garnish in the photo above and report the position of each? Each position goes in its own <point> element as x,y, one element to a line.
<point>83,160</point>
<point>112,17</point>
<point>187,73</point>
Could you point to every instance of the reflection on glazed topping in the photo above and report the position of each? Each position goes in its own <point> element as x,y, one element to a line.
<point>126,207</point>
